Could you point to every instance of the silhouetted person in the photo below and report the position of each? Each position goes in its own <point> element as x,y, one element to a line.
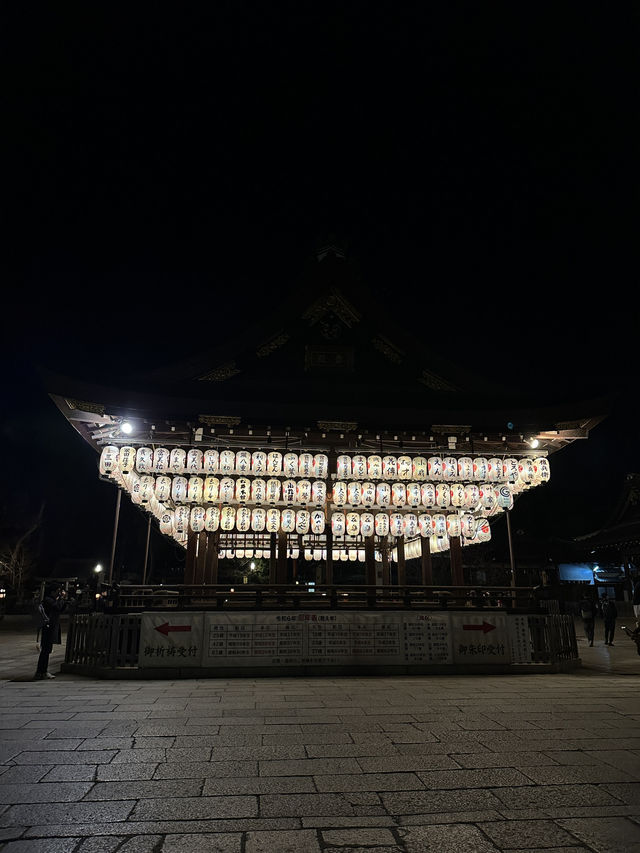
<point>53,603</point>
<point>609,614</point>
<point>588,613</point>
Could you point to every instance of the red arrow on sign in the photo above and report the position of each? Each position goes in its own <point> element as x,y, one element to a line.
<point>164,629</point>
<point>485,627</point>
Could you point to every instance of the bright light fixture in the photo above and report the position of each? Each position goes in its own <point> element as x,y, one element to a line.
<point>98,568</point>
<point>253,565</point>
<point>126,427</point>
<point>534,442</point>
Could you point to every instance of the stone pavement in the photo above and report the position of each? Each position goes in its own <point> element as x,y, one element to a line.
<point>431,763</point>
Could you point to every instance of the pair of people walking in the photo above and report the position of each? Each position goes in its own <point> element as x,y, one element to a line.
<point>589,610</point>
<point>50,608</point>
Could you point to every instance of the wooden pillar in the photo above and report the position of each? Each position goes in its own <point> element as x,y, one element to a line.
<point>272,558</point>
<point>200,560</point>
<point>455,556</point>
<point>211,562</point>
<point>425,557</point>
<point>328,566</point>
<point>370,561</point>
<point>386,569</point>
<point>281,571</point>
<point>402,568</point>
<point>190,563</point>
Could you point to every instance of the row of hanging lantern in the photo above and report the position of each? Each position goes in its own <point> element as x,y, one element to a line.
<point>147,460</point>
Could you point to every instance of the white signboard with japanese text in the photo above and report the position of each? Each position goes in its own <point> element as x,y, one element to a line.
<point>520,639</point>
<point>480,638</point>
<point>171,639</point>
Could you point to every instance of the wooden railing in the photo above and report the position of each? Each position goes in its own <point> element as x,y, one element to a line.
<point>132,599</point>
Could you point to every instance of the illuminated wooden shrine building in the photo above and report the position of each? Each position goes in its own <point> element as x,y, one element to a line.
<point>326,431</point>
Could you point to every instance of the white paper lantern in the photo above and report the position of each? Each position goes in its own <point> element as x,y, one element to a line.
<point>227,489</point>
<point>480,465</point>
<point>465,468</point>
<point>471,495</point>
<point>494,470</point>
<point>305,465</point>
<point>179,489</point>
<point>318,492</point>
<point>177,460</point>
<point>240,553</point>
<point>274,462</point>
<point>317,522</point>
<point>354,493</point>
<point>487,496</point>
<point>194,461</point>
<point>359,466</point>
<point>453,526</point>
<point>505,496</point>
<point>243,462</point>
<point>382,524</point>
<point>396,524</point>
<point>353,555</point>
<point>398,494</point>
<point>212,519</point>
<point>428,495</point>
<point>258,490</point>
<point>210,461</point>
<point>525,470</point>
<point>383,495</point>
<point>289,492</point>
<point>449,468</point>
<point>273,491</point>
<point>510,470</point>
<point>243,519</point>
<point>420,469</point>
<point>290,463</point>
<point>273,520</point>
<point>484,531</point>
<point>320,465</point>
<point>368,494</point>
<point>424,524</point>
<point>258,519</point>
<point>308,554</point>
<point>108,460</point>
<point>144,460</point>
<point>437,544</point>
<point>374,467</point>
<point>196,521</point>
<point>181,519</point>
<point>390,467</point>
<point>195,489</point>
<point>443,495</point>
<point>258,462</point>
<point>288,520</point>
<point>211,489</point>
<point>468,525</point>
<point>343,468</point>
<point>303,520</point>
<point>413,494</point>
<point>353,524</point>
<point>227,462</point>
<point>228,518</point>
<point>134,489</point>
<point>434,464</point>
<point>163,488</point>
<point>339,493</point>
<point>457,493</point>
<point>338,523</point>
<point>127,459</point>
<point>367,524</point>
<point>410,523</point>
<point>541,469</point>
<point>166,522</point>
<point>439,524</point>
<point>243,489</point>
<point>304,492</point>
<point>161,457</point>
<point>405,467</point>
<point>147,487</point>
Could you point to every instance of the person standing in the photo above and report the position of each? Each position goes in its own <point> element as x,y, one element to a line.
<point>636,601</point>
<point>53,604</point>
<point>588,612</point>
<point>610,614</point>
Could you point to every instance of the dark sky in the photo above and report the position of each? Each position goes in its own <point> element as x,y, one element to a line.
<point>478,159</point>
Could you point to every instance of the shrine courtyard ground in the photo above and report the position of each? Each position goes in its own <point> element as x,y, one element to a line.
<point>446,763</point>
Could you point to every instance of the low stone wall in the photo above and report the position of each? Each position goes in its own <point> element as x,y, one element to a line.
<point>179,644</point>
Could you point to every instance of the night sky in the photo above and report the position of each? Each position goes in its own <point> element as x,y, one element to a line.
<point>478,159</point>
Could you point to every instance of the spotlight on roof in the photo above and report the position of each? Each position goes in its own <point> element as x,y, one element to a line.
<point>126,427</point>
<point>534,442</point>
